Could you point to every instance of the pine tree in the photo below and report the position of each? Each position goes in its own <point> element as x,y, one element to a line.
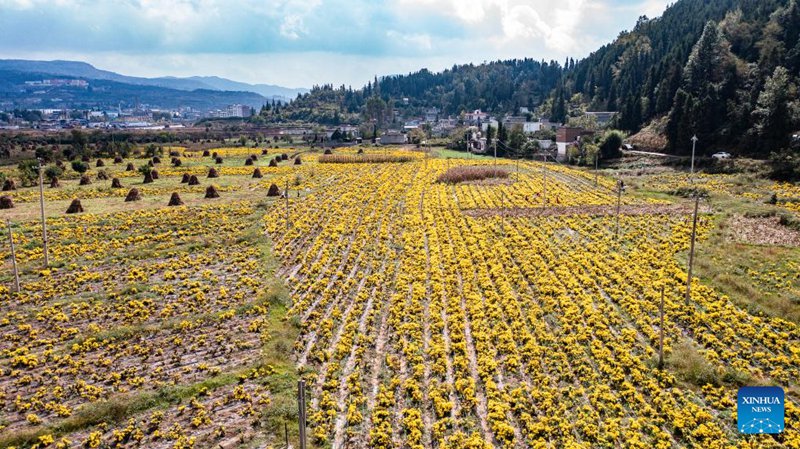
<point>775,112</point>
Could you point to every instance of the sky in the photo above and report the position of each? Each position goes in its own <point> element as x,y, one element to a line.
<point>300,43</point>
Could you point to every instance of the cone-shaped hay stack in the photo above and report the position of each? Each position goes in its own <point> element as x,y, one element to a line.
<point>193,181</point>
<point>156,160</point>
<point>254,157</point>
<point>206,153</point>
<point>297,160</point>
<point>100,163</point>
<point>115,184</point>
<point>175,200</point>
<point>130,167</point>
<point>54,183</point>
<point>212,173</point>
<point>185,178</point>
<point>272,163</point>
<point>218,160</point>
<point>273,190</point>
<point>102,175</point>
<point>154,174</point>
<point>75,207</point>
<point>360,151</point>
<point>248,161</point>
<point>133,195</point>
<point>148,178</point>
<point>6,202</point>
<point>328,151</point>
<point>257,173</point>
<point>264,151</point>
<point>9,185</point>
<point>85,180</point>
<point>284,156</point>
<point>211,192</point>
<point>176,162</point>
<point>118,159</point>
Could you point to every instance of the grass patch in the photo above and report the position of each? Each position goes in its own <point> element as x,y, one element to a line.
<point>691,366</point>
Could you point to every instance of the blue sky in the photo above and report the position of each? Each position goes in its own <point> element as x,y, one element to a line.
<point>298,43</point>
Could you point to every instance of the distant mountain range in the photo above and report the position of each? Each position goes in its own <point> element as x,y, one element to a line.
<point>202,91</point>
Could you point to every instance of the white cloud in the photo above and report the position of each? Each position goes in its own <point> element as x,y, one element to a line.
<point>287,41</point>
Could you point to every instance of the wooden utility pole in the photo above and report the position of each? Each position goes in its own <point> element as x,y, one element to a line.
<point>13,257</point>
<point>619,205</point>
<point>661,331</point>
<point>503,212</point>
<point>44,221</point>
<point>691,250</point>
<point>596,159</point>
<point>544,180</point>
<point>286,194</point>
<point>301,401</point>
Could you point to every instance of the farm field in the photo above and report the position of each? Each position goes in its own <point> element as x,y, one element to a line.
<point>513,312</point>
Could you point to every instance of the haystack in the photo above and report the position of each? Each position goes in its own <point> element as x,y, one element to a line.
<point>85,180</point>
<point>284,156</point>
<point>193,181</point>
<point>9,184</point>
<point>154,174</point>
<point>218,160</point>
<point>248,161</point>
<point>102,175</point>
<point>175,200</point>
<point>130,167</point>
<point>156,160</point>
<point>100,163</point>
<point>148,178</point>
<point>185,178</point>
<point>206,153</point>
<point>273,190</point>
<point>273,163</point>
<point>117,159</point>
<point>54,183</point>
<point>75,207</point>
<point>257,173</point>
<point>212,173</point>
<point>211,192</point>
<point>133,195</point>
<point>6,202</point>
<point>297,160</point>
<point>328,151</point>
<point>115,184</point>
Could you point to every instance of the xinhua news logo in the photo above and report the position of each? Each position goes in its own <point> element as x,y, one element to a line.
<point>761,410</point>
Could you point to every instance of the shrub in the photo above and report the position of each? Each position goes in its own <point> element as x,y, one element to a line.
<point>79,166</point>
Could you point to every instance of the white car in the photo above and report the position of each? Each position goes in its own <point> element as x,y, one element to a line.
<point>721,155</point>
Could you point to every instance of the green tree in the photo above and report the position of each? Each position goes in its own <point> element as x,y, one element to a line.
<point>53,172</point>
<point>610,144</point>
<point>80,166</point>
<point>28,172</point>
<point>776,111</point>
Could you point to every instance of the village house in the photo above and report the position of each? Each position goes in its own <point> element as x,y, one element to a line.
<point>566,136</point>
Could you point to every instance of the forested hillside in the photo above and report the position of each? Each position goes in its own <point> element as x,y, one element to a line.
<point>500,86</point>
<point>725,70</point>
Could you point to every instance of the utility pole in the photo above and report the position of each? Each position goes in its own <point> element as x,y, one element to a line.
<point>544,180</point>
<point>694,143</point>
<point>691,250</point>
<point>301,401</point>
<point>619,205</point>
<point>596,159</point>
<point>13,256</point>
<point>495,153</point>
<point>503,212</point>
<point>44,221</point>
<point>661,331</point>
<point>286,195</point>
